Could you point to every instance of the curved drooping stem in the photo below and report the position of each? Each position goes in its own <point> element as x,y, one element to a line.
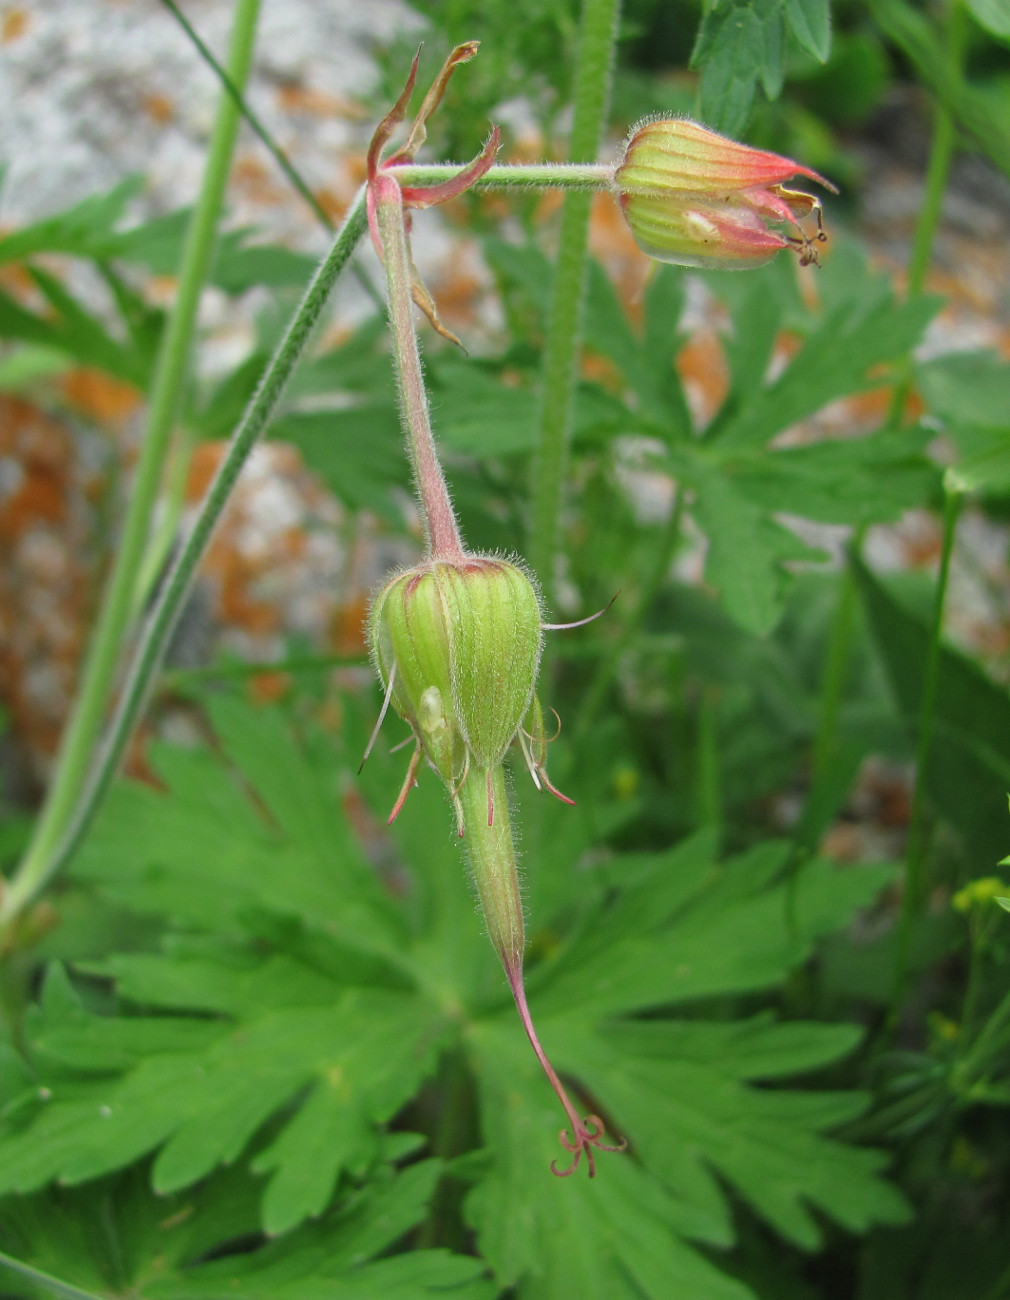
<point>441,530</point>
<point>491,851</point>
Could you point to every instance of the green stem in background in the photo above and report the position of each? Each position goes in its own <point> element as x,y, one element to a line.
<point>594,63</point>
<point>36,871</point>
<point>836,665</point>
<point>935,185</point>
<point>916,854</point>
<point>941,156</point>
<point>45,1281</point>
<point>669,540</point>
<point>76,753</point>
<point>291,173</point>
<point>238,99</point>
<point>166,525</point>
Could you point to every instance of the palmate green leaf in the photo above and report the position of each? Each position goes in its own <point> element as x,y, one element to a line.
<point>674,927</point>
<point>630,1231</point>
<point>739,43</point>
<point>835,360</point>
<point>116,1238</point>
<point>738,485</point>
<point>294,965</point>
<point>747,549</point>
<point>621,1235</point>
<point>687,1120</point>
<point>688,928</point>
<point>81,230</point>
<point>345,1059</point>
<point>337,1260</point>
<point>270,834</point>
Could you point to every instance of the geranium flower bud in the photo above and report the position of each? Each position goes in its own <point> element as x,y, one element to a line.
<point>457,645</point>
<point>696,198</point>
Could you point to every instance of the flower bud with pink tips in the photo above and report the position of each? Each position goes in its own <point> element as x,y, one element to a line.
<point>696,198</point>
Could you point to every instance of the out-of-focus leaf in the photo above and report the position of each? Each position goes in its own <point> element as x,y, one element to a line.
<point>985,471</point>
<point>746,550</point>
<point>729,53</point>
<point>810,22</point>
<point>474,411</point>
<point>357,452</point>
<point>842,481</point>
<point>967,388</point>
<point>842,356</point>
<point>82,230</point>
<point>921,42</point>
<point>993,15</point>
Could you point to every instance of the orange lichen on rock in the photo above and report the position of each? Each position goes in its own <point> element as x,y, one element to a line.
<point>106,400</point>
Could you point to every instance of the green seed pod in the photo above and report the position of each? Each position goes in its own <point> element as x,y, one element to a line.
<point>470,631</point>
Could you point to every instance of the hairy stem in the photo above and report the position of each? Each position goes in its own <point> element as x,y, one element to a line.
<point>76,754</point>
<point>36,872</point>
<point>561,348</point>
<point>440,527</point>
<point>590,177</point>
<point>491,852</point>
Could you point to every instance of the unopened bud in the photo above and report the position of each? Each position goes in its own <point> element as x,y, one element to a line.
<point>457,644</point>
<point>696,198</point>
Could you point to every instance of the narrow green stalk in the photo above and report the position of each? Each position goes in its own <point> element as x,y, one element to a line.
<point>238,99</point>
<point>916,855</point>
<point>561,348</point>
<point>36,872</point>
<point>76,754</point>
<point>836,667</point>
<point>442,538</point>
<point>45,1281</point>
<point>669,541</point>
<point>935,185</point>
<point>589,177</point>
<point>941,156</point>
<point>166,527</point>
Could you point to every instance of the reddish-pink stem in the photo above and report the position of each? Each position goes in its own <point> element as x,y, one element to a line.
<point>585,1133</point>
<point>441,529</point>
